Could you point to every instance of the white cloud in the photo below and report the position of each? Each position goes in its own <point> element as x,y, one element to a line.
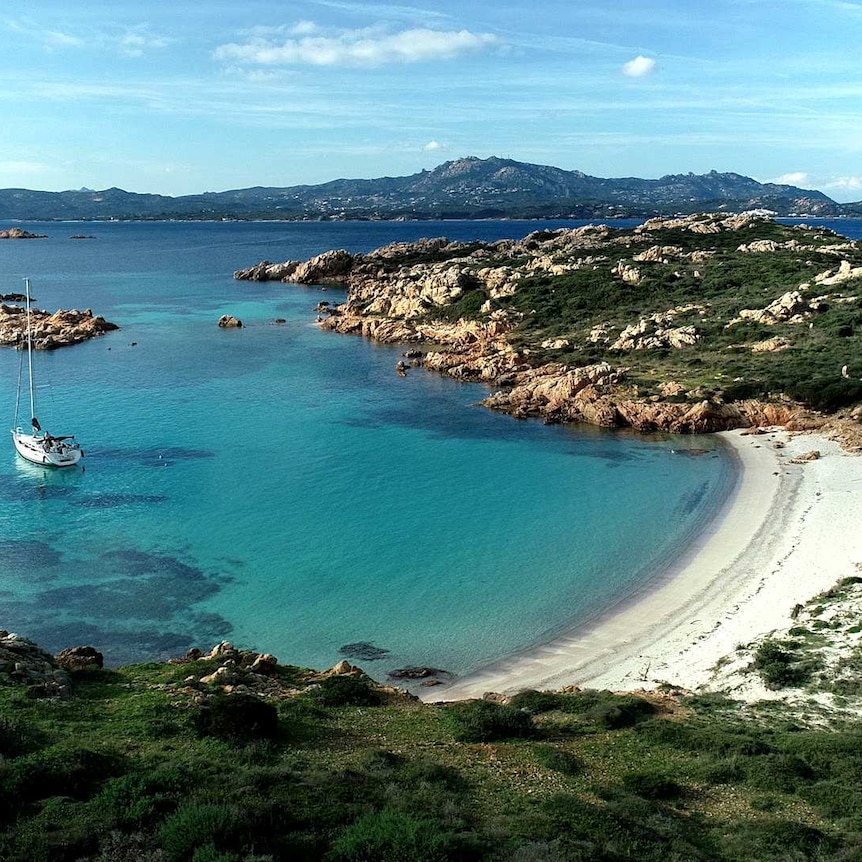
<point>129,41</point>
<point>358,48</point>
<point>304,28</point>
<point>845,184</point>
<point>639,67</point>
<point>434,147</point>
<point>795,178</point>
<point>137,43</point>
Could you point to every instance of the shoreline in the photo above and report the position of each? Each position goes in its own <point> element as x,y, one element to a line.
<point>786,532</point>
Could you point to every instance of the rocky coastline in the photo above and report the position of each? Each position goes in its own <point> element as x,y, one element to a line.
<point>459,302</point>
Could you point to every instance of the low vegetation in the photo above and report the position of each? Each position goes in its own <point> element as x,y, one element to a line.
<point>139,764</point>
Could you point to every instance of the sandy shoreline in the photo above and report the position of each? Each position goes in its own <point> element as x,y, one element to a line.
<point>787,532</point>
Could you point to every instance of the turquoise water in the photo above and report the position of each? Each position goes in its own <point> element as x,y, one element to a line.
<point>282,487</point>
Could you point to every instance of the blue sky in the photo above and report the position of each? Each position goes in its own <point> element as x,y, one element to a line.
<point>207,95</point>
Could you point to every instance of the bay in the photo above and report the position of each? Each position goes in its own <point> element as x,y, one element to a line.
<point>282,487</point>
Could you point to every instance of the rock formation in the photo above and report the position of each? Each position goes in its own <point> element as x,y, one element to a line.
<point>59,329</point>
<point>25,662</point>
<point>19,233</point>
<point>228,321</point>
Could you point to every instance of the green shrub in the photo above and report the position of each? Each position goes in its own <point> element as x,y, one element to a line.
<point>392,836</point>
<point>60,770</point>
<point>485,721</point>
<point>536,702</point>
<point>779,772</point>
<point>237,718</point>
<point>775,841</point>
<point>780,666</point>
<point>15,737</point>
<point>558,759</point>
<point>139,798</point>
<point>621,711</point>
<point>194,826</point>
<point>347,691</point>
<point>652,785</point>
<point>712,738</point>
<point>834,798</point>
<point>720,770</point>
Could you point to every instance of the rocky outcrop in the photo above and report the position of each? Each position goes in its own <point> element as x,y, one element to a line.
<point>19,233</point>
<point>770,345</point>
<point>703,223</point>
<point>845,272</point>
<point>648,335</point>
<point>766,246</point>
<point>790,307</point>
<point>331,266</point>
<point>267,271</point>
<point>24,662</point>
<point>228,321</point>
<point>50,331</point>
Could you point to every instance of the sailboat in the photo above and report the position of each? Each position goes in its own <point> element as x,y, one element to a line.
<point>40,447</point>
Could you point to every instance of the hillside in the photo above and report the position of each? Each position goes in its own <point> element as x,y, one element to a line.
<point>464,188</point>
<point>230,756</point>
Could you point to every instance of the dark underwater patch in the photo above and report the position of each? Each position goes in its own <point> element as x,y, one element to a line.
<point>29,560</point>
<point>364,651</point>
<point>693,498</point>
<point>162,456</point>
<point>132,561</point>
<point>109,501</point>
<point>13,490</point>
<point>130,604</point>
<point>156,597</point>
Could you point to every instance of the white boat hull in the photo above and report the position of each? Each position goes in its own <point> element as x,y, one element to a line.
<point>39,449</point>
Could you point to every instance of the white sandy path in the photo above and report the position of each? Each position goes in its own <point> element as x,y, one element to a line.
<point>787,532</point>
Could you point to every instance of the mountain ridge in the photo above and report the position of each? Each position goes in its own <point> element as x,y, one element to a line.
<point>468,187</point>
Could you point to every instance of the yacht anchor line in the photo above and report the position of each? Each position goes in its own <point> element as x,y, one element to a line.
<point>40,447</point>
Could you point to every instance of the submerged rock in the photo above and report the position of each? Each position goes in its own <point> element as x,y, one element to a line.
<point>364,651</point>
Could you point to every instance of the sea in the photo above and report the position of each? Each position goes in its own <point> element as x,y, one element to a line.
<point>283,488</point>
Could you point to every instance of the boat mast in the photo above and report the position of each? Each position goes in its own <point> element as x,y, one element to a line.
<point>30,351</point>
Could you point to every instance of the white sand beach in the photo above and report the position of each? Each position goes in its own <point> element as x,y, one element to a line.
<point>787,532</point>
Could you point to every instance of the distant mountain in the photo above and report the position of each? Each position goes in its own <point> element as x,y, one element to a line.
<point>464,188</point>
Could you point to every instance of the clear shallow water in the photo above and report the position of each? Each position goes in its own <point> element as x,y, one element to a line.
<point>284,488</point>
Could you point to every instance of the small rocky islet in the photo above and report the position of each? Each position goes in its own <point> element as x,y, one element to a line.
<point>50,330</point>
<point>686,325</point>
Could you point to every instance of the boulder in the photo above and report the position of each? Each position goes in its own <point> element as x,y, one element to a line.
<point>331,266</point>
<point>227,321</point>
<point>80,658</point>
